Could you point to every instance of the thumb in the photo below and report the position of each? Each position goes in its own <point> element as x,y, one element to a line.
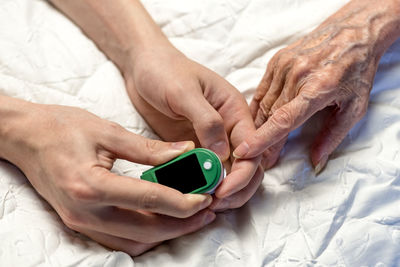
<point>207,123</point>
<point>335,130</point>
<point>135,148</point>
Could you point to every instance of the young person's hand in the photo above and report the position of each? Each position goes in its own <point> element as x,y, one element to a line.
<point>180,99</point>
<point>334,66</point>
<point>67,154</point>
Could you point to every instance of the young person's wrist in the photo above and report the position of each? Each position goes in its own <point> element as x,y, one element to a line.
<point>14,115</point>
<point>143,56</point>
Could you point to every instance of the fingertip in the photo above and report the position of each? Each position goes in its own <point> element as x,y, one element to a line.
<point>221,193</point>
<point>183,146</point>
<point>159,152</point>
<point>315,156</point>
<point>242,150</point>
<point>319,157</point>
<point>224,192</point>
<point>321,164</point>
<point>320,152</point>
<point>221,148</point>
<point>209,217</point>
<point>204,200</point>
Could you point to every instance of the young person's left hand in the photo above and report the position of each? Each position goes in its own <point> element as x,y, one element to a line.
<point>182,100</point>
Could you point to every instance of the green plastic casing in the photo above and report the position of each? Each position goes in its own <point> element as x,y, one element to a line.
<point>212,176</point>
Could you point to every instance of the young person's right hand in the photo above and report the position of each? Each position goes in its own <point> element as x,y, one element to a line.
<point>67,154</point>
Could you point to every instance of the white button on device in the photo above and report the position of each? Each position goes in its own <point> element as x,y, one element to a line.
<point>207,165</point>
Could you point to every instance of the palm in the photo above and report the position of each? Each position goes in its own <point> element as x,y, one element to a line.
<point>169,129</point>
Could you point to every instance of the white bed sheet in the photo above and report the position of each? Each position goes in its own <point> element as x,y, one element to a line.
<point>347,216</point>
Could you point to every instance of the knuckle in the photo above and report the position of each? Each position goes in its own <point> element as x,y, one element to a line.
<point>115,127</point>
<point>315,95</point>
<point>285,59</point>
<point>361,110</point>
<point>149,200</point>
<point>151,146</point>
<point>153,149</point>
<point>260,92</point>
<point>176,90</point>
<point>213,123</point>
<point>301,68</point>
<point>282,118</point>
<point>278,56</point>
<point>309,93</point>
<point>82,192</point>
<point>302,62</point>
<point>265,108</point>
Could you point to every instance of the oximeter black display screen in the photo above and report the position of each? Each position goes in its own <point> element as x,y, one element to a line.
<point>184,175</point>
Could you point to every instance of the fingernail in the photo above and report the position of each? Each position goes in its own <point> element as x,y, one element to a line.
<point>321,164</point>
<point>204,199</point>
<point>241,150</point>
<point>220,148</point>
<point>209,217</point>
<point>181,146</point>
<point>208,200</point>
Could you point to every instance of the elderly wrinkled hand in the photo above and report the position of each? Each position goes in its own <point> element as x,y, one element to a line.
<point>334,66</point>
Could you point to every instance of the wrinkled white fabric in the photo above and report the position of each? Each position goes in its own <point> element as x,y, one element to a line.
<point>347,216</point>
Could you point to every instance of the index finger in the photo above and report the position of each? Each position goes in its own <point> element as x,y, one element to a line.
<point>240,176</point>
<point>283,121</point>
<point>236,115</point>
<point>135,194</point>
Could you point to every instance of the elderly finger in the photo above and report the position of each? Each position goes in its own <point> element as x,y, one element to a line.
<point>284,120</point>
<point>270,97</point>
<point>271,155</point>
<point>289,91</point>
<point>336,128</point>
<point>261,90</point>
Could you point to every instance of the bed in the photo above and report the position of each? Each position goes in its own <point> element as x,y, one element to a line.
<point>349,215</point>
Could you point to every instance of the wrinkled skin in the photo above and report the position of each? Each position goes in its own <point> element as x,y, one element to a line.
<point>333,67</point>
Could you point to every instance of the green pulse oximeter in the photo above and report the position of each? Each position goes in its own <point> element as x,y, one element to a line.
<point>196,171</point>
